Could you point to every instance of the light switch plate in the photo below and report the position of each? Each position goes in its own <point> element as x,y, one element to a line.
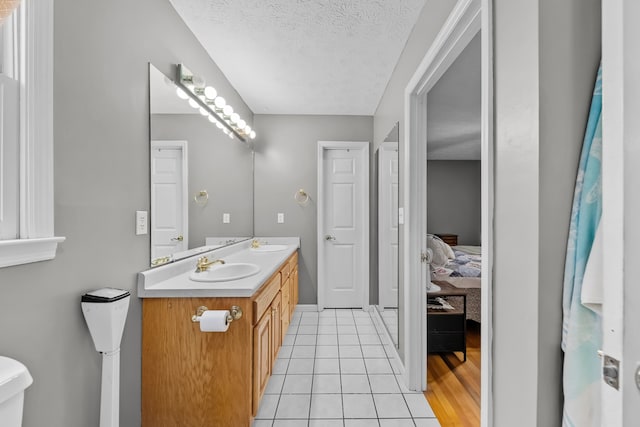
<point>280,218</point>
<point>226,218</point>
<point>141,222</point>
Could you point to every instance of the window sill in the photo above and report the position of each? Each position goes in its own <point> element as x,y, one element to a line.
<point>24,251</point>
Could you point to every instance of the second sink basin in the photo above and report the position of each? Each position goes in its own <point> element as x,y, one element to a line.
<point>269,248</point>
<point>225,272</point>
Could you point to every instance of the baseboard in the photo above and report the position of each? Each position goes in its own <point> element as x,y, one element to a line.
<point>307,307</point>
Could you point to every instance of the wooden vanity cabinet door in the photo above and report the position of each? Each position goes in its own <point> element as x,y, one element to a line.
<point>285,314</point>
<point>293,300</point>
<point>261,358</point>
<point>276,327</point>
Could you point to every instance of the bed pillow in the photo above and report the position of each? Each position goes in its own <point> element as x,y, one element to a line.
<point>441,250</point>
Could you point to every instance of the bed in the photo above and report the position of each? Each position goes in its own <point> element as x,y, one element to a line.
<point>463,271</point>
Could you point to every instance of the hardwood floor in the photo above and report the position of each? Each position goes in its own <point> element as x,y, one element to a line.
<point>453,386</point>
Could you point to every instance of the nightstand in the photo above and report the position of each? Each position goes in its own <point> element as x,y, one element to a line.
<point>449,239</point>
<point>447,329</point>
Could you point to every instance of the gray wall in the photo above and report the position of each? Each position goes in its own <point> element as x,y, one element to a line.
<point>391,108</point>
<point>453,199</point>
<point>222,166</point>
<point>101,157</point>
<point>285,161</point>
<point>546,57</point>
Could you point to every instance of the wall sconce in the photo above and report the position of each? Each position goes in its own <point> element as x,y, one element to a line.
<point>7,7</point>
<point>210,104</point>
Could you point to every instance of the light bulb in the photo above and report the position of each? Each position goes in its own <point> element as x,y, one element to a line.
<point>213,120</point>
<point>219,103</point>
<point>227,110</point>
<point>241,124</point>
<point>247,130</point>
<point>210,92</point>
<point>182,94</point>
<point>226,131</point>
<point>234,118</point>
<point>219,125</point>
<point>203,111</point>
<point>193,103</point>
<point>252,135</point>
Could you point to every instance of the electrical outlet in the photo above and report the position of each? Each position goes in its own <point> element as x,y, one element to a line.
<point>280,218</point>
<point>226,218</point>
<point>141,222</point>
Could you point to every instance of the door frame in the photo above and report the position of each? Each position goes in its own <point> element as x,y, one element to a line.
<point>382,206</point>
<point>182,146</point>
<point>363,148</point>
<point>465,21</point>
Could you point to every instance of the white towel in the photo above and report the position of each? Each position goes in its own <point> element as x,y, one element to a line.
<point>592,283</point>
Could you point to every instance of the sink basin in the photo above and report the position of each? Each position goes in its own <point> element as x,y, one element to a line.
<point>269,248</point>
<point>225,272</point>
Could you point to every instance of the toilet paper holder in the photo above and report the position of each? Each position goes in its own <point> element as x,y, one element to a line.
<point>235,313</point>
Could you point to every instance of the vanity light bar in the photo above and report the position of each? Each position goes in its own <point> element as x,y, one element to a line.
<point>211,104</point>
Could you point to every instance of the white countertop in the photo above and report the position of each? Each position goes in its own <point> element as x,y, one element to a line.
<point>172,280</point>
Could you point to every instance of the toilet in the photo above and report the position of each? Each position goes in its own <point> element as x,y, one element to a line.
<point>14,379</point>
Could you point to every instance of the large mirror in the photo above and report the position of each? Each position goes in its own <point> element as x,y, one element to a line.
<point>387,184</point>
<point>201,180</point>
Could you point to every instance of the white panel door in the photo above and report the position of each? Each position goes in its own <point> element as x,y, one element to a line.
<point>388,225</point>
<point>343,230</point>
<point>9,158</point>
<point>168,200</point>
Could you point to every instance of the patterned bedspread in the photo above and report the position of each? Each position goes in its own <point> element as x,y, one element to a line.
<point>464,265</point>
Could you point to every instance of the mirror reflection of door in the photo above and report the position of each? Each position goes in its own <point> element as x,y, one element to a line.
<point>387,174</point>
<point>169,222</point>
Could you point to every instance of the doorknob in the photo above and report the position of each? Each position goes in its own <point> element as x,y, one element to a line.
<point>329,238</point>
<point>179,238</point>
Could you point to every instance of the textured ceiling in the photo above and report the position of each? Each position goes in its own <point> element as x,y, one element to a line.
<point>304,56</point>
<point>453,109</point>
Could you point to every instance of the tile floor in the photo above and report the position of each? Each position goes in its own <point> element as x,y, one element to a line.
<point>334,370</point>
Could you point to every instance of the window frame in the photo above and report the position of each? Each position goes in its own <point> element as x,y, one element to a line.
<point>36,241</point>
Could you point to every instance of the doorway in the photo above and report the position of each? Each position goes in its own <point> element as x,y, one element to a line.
<point>343,224</point>
<point>464,23</point>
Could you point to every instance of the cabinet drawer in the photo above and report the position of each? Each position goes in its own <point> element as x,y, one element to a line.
<point>443,342</point>
<point>264,298</point>
<point>445,323</point>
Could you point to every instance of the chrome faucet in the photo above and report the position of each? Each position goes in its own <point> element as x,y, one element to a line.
<point>204,264</point>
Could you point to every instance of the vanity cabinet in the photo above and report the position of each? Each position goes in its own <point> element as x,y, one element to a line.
<point>193,378</point>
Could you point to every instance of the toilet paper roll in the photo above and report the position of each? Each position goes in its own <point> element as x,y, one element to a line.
<point>214,321</point>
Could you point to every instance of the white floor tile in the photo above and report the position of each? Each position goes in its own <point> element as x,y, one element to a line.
<point>384,384</point>
<point>345,321</point>
<point>362,314</point>
<point>308,330</point>
<point>327,340</point>
<point>294,406</point>
<point>280,366</point>
<point>419,406</point>
<point>366,329</point>
<point>327,366</point>
<point>297,384</point>
<point>347,329</point>
<point>426,422</point>
<point>290,423</point>
<point>350,352</point>
<point>407,422</point>
<point>262,423</point>
<point>361,423</point>
<point>358,406</point>
<point>285,352</point>
<point>329,312</point>
<point>303,352</point>
<point>363,321</point>
<point>370,339</point>
<point>305,340</point>
<point>300,366</point>
<point>377,366</point>
<point>348,340</point>
<point>274,386</point>
<point>355,384</point>
<point>327,330</point>
<point>326,406</point>
<point>289,340</point>
<point>326,351</point>
<point>268,405</point>
<point>374,352</point>
<point>403,387</point>
<point>352,366</point>
<point>391,406</point>
<point>308,321</point>
<point>326,383</point>
<point>344,313</point>
<point>326,423</point>
<point>327,321</point>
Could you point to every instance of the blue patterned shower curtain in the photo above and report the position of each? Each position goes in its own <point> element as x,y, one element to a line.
<point>581,328</point>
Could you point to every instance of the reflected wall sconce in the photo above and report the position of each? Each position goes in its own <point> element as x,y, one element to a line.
<point>193,88</point>
<point>301,197</point>
<point>7,7</point>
